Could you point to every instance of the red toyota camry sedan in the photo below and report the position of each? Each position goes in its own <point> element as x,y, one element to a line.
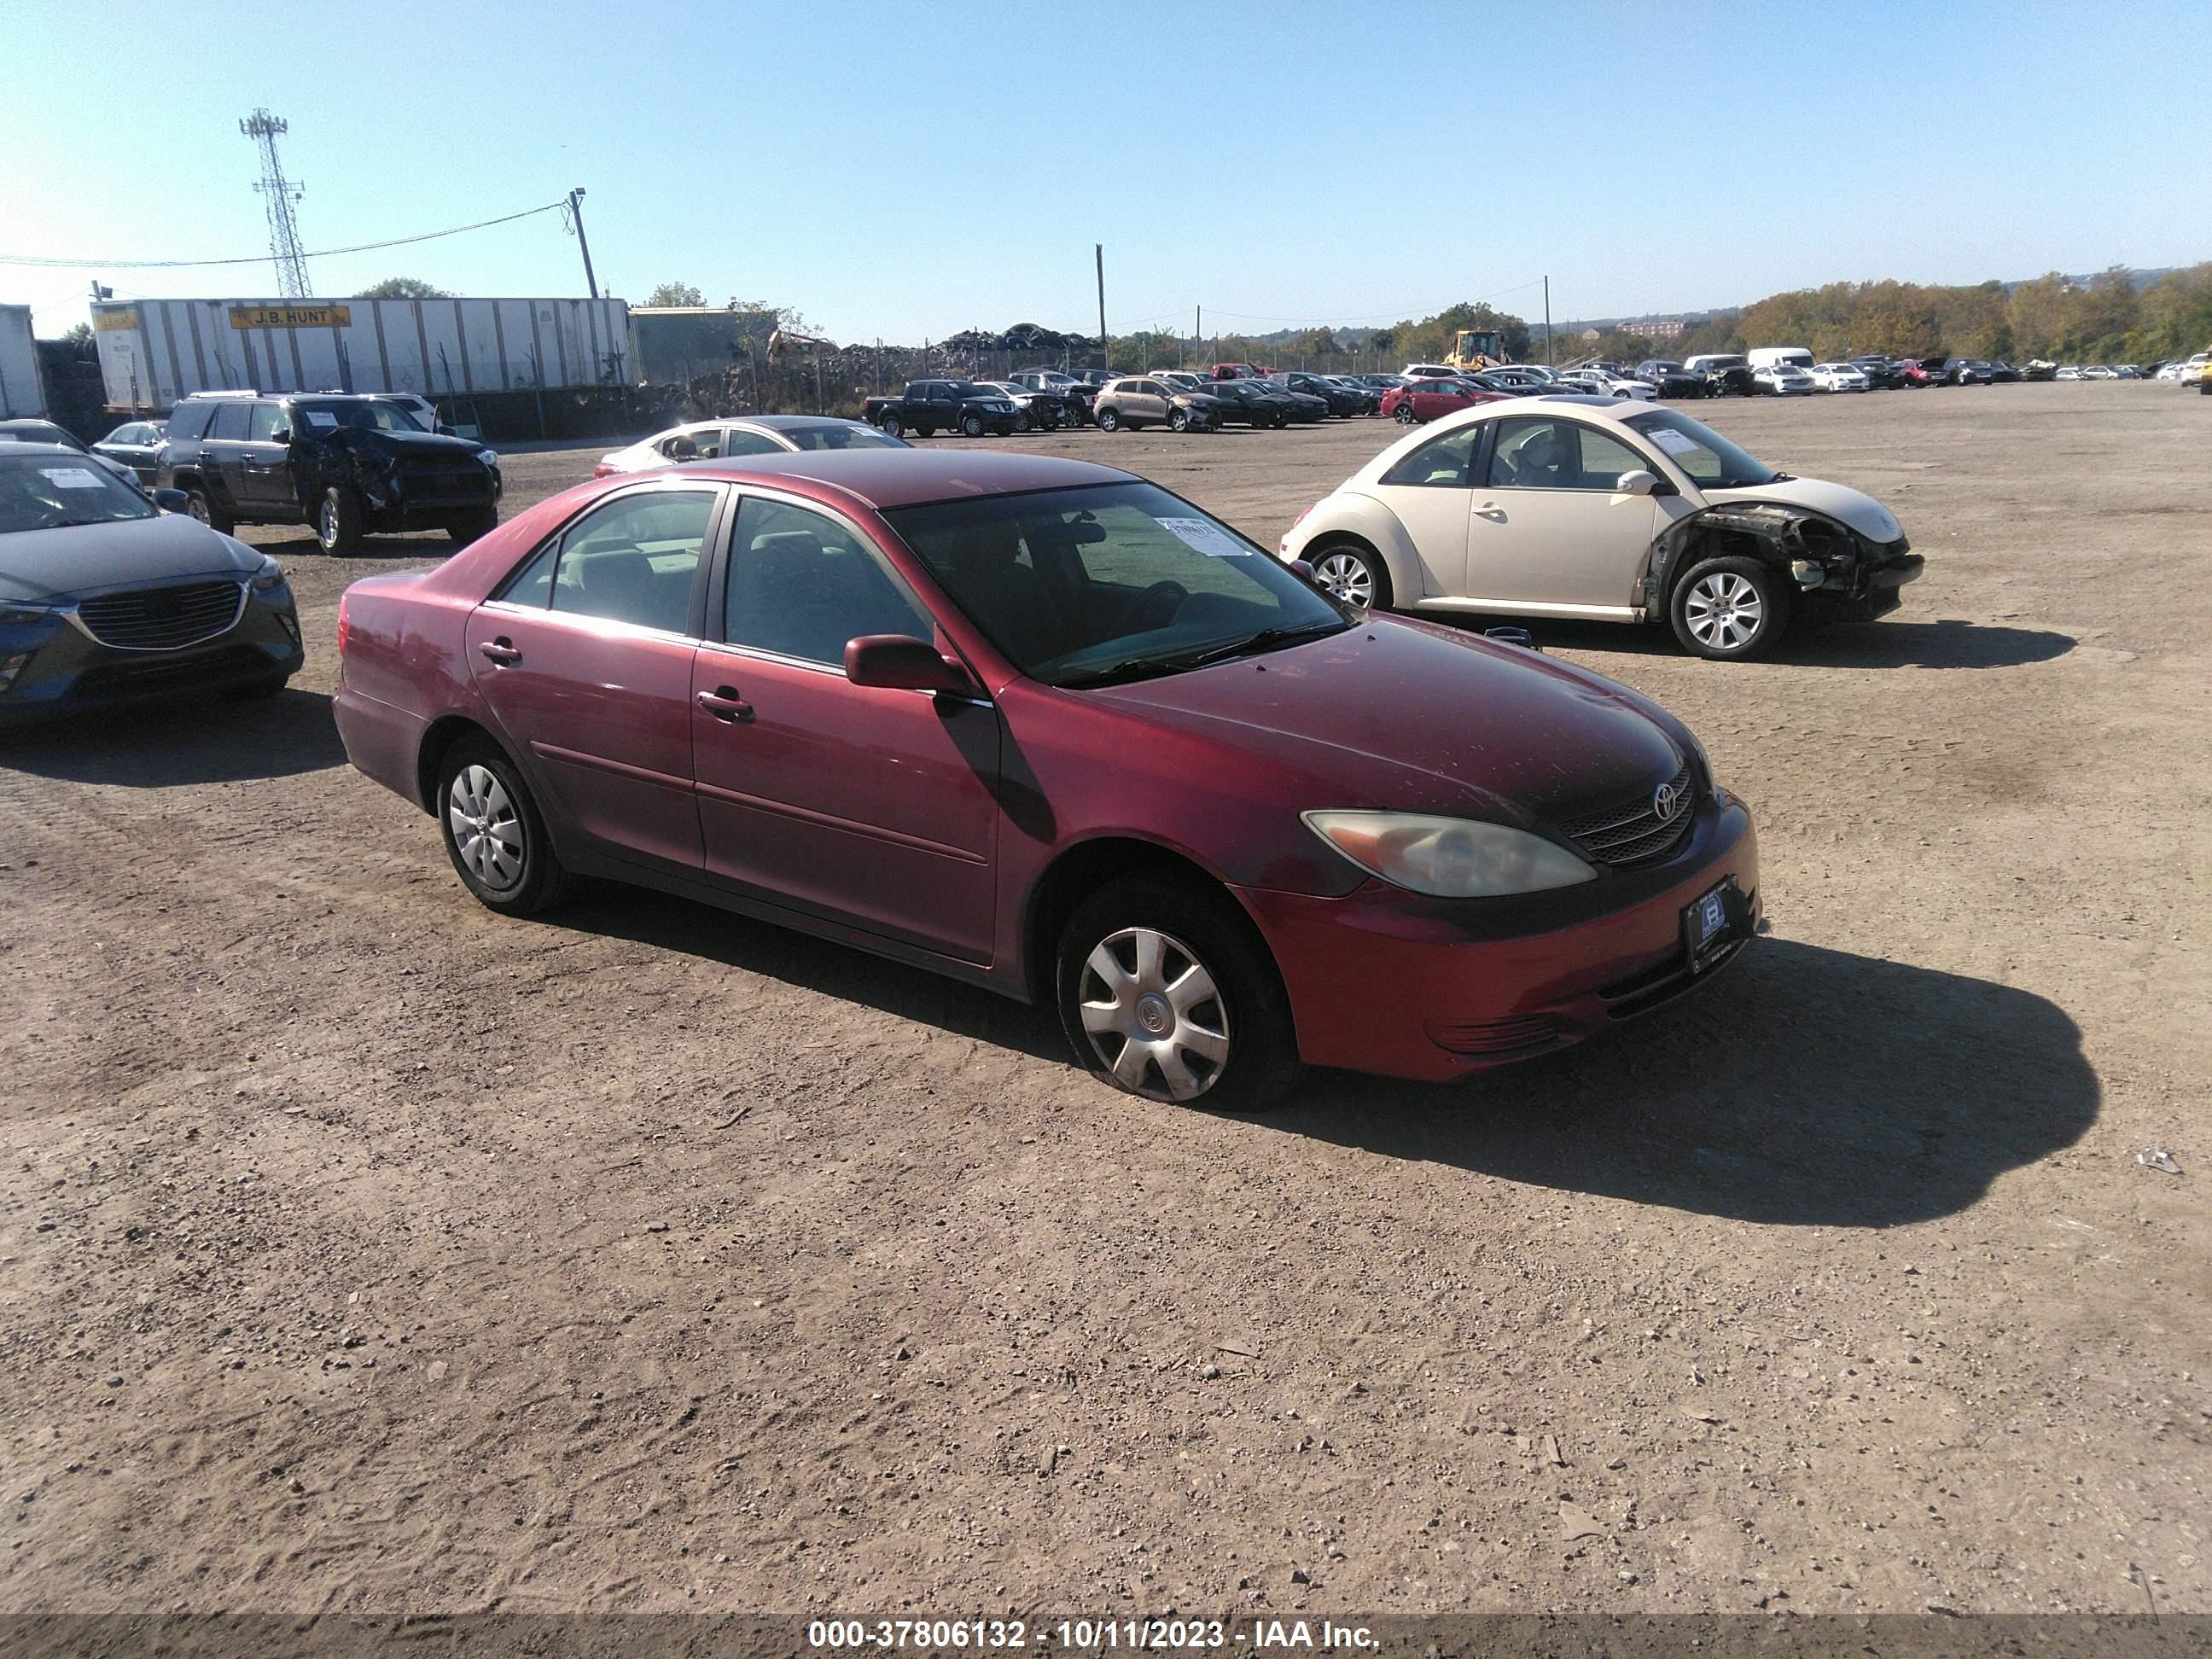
<point>1429,400</point>
<point>1044,727</point>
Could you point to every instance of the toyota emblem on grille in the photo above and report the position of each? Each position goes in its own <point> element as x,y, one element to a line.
<point>1666,799</point>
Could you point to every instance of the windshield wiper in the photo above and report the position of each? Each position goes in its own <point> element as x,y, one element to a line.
<point>1135,668</point>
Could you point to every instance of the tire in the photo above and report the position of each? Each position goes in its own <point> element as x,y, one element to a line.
<point>1226,1040</point>
<point>891,427</point>
<point>478,787</point>
<point>1021,423</point>
<point>338,520</point>
<point>475,528</point>
<point>971,426</point>
<point>1281,422</point>
<point>199,504</point>
<point>1179,420</point>
<point>1728,609</point>
<point>1109,420</point>
<point>1354,573</point>
<point>1405,417</point>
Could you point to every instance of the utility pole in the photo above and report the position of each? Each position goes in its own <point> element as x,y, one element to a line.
<point>1105,345</point>
<point>576,218</point>
<point>1198,326</point>
<point>278,194</point>
<point>1547,321</point>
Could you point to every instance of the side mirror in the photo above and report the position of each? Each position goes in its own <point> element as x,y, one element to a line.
<point>444,431</point>
<point>172,500</point>
<point>1638,482</point>
<point>1305,570</point>
<point>899,662</point>
<point>282,435</point>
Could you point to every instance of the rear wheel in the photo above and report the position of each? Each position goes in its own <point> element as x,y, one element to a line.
<point>1167,992</point>
<point>338,520</point>
<point>201,507</point>
<point>891,427</point>
<point>493,832</point>
<point>1352,572</point>
<point>1109,420</point>
<point>1728,609</point>
<point>1405,417</point>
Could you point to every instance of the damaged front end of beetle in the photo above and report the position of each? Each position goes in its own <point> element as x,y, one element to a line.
<point>1835,573</point>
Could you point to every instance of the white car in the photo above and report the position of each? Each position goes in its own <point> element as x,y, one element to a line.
<point>1783,379</point>
<point>1612,512</point>
<point>1838,376</point>
<point>741,435</point>
<point>1598,384</point>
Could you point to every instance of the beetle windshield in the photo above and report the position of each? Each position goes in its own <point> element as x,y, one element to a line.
<point>47,491</point>
<point>1707,458</point>
<point>1111,582</point>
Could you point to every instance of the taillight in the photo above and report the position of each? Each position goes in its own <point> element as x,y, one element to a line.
<point>345,627</point>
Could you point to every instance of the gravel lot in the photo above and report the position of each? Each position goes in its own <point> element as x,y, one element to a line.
<point>364,1250</point>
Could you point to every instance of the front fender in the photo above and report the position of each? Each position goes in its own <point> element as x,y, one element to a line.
<point>1347,512</point>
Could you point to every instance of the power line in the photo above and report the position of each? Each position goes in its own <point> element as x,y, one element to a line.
<point>262,258</point>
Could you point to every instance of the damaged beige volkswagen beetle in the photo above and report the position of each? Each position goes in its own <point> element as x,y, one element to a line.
<point>1601,509</point>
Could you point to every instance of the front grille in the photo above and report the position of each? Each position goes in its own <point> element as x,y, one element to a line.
<point>439,486</point>
<point>163,618</point>
<point>1497,1036</point>
<point>1631,833</point>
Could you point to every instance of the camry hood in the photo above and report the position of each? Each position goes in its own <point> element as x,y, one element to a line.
<point>1408,716</point>
<point>40,564</point>
<point>1862,512</point>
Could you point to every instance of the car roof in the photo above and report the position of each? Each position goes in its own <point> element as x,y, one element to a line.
<point>881,478</point>
<point>792,422</point>
<point>20,447</point>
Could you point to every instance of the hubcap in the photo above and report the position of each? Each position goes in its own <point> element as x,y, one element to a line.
<point>1347,576</point>
<point>198,508</point>
<point>329,521</point>
<point>487,829</point>
<point>1154,1016</point>
<point>1724,611</point>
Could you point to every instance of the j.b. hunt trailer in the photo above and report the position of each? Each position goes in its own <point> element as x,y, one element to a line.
<point>152,352</point>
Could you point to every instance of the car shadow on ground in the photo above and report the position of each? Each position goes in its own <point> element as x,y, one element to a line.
<point>1948,643</point>
<point>1806,1087</point>
<point>819,965</point>
<point>209,740</point>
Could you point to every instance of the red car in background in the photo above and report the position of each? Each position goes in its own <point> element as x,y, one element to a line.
<point>1426,400</point>
<point>1238,371</point>
<point>1923,371</point>
<point>1042,726</point>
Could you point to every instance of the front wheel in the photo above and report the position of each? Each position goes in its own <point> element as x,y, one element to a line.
<point>971,426</point>
<point>474,527</point>
<point>493,832</point>
<point>1179,420</point>
<point>1728,609</point>
<point>1353,574</point>
<point>1109,420</point>
<point>1167,992</point>
<point>338,520</point>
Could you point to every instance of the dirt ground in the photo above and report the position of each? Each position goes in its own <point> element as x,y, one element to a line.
<point>362,1250</point>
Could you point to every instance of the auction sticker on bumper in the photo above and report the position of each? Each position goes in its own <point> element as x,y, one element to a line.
<point>1707,925</point>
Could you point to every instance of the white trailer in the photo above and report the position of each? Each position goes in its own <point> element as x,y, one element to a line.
<point>22,390</point>
<point>152,352</point>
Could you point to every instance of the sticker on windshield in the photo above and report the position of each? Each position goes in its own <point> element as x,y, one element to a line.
<point>1206,537</point>
<point>72,477</point>
<point>322,417</point>
<point>1673,442</point>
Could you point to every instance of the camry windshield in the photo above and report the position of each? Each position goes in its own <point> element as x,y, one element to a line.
<point>1110,583</point>
<point>47,492</point>
<point>1699,451</point>
<point>839,434</point>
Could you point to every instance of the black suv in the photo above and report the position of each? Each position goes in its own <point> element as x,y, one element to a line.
<point>348,466</point>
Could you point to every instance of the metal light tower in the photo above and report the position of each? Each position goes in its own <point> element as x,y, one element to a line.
<point>278,194</point>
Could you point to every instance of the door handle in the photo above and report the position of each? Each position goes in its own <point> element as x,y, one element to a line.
<point>723,704</point>
<point>500,651</point>
<point>1489,510</point>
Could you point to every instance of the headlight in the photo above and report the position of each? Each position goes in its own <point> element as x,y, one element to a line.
<point>489,456</point>
<point>270,577</point>
<point>1449,858</point>
<point>24,616</point>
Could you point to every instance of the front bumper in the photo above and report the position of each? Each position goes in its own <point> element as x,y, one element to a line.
<point>63,671</point>
<point>1386,981</point>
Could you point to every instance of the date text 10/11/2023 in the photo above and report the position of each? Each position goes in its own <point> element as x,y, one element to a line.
<point>1086,1635</point>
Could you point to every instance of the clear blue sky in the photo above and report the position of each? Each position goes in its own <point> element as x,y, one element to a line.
<point>902,171</point>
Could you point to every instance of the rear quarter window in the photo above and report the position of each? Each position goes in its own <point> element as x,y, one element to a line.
<point>190,420</point>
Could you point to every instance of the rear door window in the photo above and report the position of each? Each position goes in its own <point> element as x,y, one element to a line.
<point>634,559</point>
<point>229,421</point>
<point>189,421</point>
